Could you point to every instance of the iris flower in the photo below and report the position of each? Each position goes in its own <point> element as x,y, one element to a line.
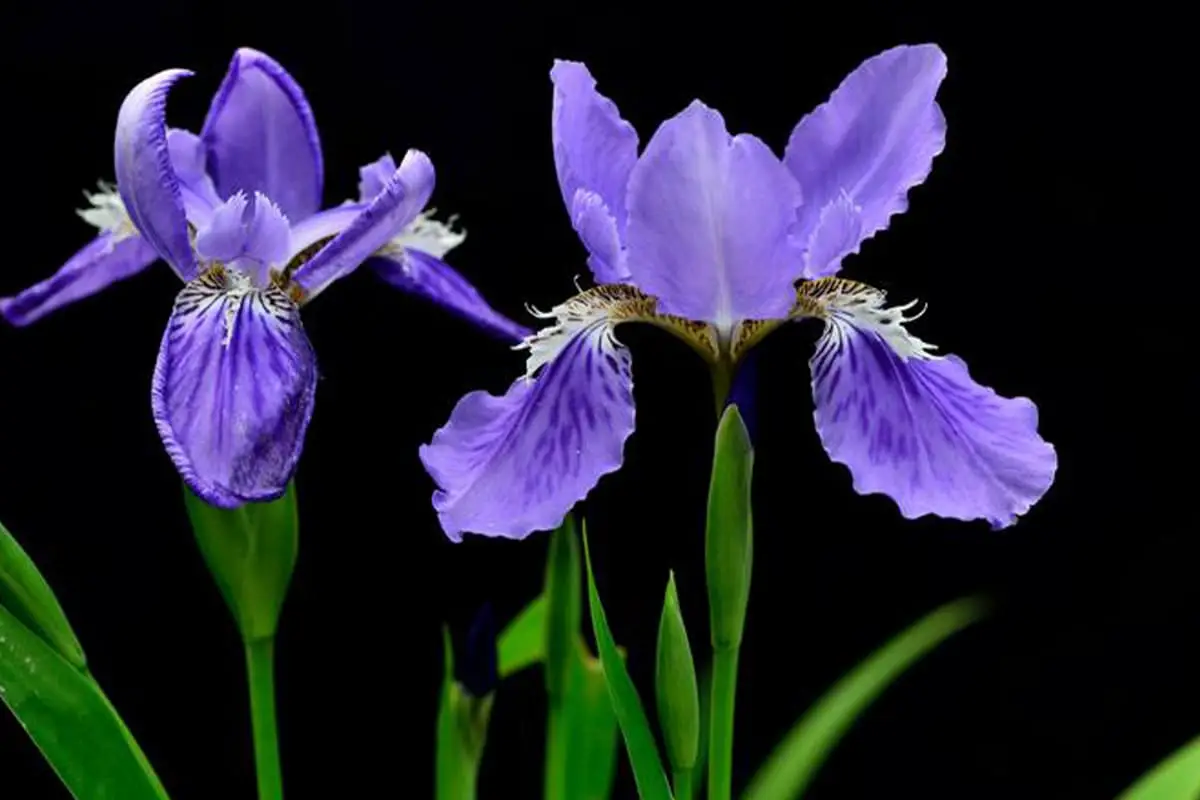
<point>716,239</point>
<point>235,213</point>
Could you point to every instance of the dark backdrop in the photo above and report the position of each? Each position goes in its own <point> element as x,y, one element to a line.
<point>1036,242</point>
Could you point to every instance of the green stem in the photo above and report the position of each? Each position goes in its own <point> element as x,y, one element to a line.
<point>720,735</point>
<point>557,746</point>
<point>722,380</point>
<point>682,784</point>
<point>260,669</point>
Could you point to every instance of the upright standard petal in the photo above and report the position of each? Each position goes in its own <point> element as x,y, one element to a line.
<point>915,426</point>
<point>508,466</point>
<point>145,176</point>
<point>261,136</point>
<point>398,204</point>
<point>873,140</point>
<point>594,153</point>
<point>710,222</point>
<point>102,262</point>
<point>431,278</point>
<point>233,389</point>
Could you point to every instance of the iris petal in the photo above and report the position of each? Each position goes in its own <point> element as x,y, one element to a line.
<point>711,218</point>
<point>915,426</point>
<point>873,140</point>
<point>594,153</point>
<point>145,176</point>
<point>233,389</point>
<point>383,218</point>
<point>261,136</point>
<point>511,465</point>
<point>102,262</point>
<point>248,234</point>
<point>431,278</point>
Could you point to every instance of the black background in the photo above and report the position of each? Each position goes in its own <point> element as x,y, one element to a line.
<point>1040,242</point>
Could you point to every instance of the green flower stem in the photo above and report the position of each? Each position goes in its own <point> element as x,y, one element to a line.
<point>722,380</point>
<point>682,784</point>
<point>720,737</point>
<point>260,669</point>
<point>558,736</point>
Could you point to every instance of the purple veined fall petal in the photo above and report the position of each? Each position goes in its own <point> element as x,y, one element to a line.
<point>100,263</point>
<point>422,274</point>
<point>915,426</point>
<point>261,136</point>
<point>711,221</point>
<point>872,141</point>
<point>511,465</point>
<point>594,153</point>
<point>250,235</point>
<point>234,388</point>
<point>383,218</point>
<point>146,178</point>
<point>119,251</point>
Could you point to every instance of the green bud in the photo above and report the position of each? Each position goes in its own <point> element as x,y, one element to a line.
<point>675,682</point>
<point>564,608</point>
<point>729,535</point>
<point>251,552</point>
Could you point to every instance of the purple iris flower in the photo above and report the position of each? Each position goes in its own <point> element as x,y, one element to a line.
<point>714,238</point>
<point>235,213</point>
<point>260,135</point>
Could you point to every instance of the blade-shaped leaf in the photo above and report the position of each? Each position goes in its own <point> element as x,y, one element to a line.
<point>70,720</point>
<point>589,716</point>
<point>635,727</point>
<point>523,642</point>
<point>1175,778</point>
<point>564,607</point>
<point>790,769</point>
<point>27,596</point>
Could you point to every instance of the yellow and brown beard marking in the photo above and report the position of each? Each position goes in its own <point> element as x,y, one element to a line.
<point>620,302</point>
<point>814,299</point>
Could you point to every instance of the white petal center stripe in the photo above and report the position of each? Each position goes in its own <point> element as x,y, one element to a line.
<point>427,235</point>
<point>107,213</point>
<point>845,303</point>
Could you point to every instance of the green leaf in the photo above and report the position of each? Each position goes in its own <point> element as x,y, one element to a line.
<point>70,720</point>
<point>581,729</point>
<point>728,539</point>
<point>251,552</point>
<point>461,734</point>
<point>1175,778</point>
<point>675,685</point>
<point>592,749</point>
<point>27,596</point>
<point>635,728</point>
<point>704,684</point>
<point>564,607</point>
<point>523,641</point>
<point>796,760</point>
